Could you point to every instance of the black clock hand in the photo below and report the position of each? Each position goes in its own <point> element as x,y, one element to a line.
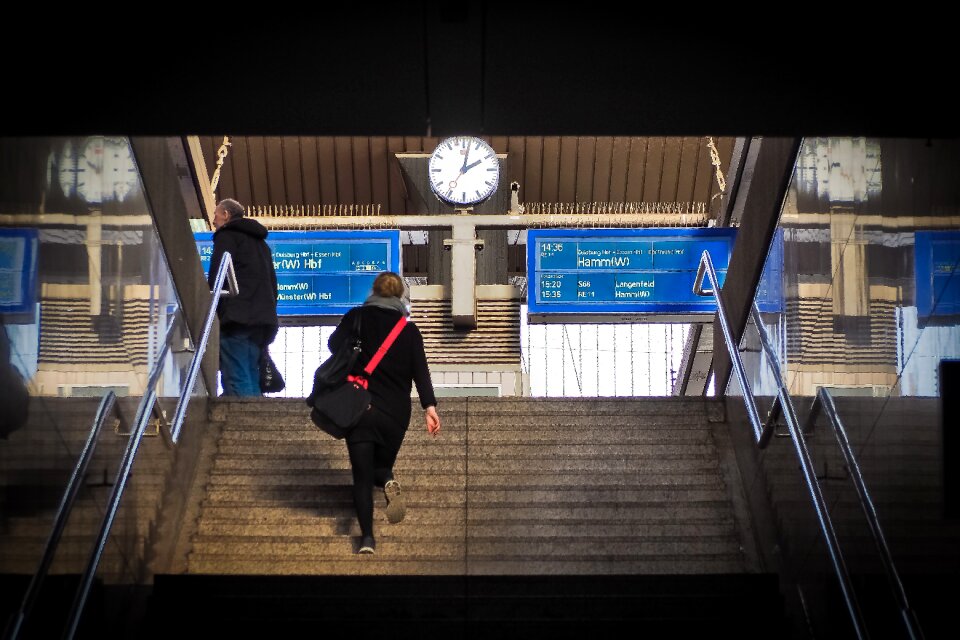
<point>464,168</point>
<point>470,166</point>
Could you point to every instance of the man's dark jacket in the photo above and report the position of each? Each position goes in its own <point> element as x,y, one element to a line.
<point>256,306</point>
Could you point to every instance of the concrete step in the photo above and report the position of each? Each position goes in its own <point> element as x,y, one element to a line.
<point>527,565</point>
<point>526,451</point>
<point>344,565</point>
<point>316,547</point>
<point>543,435</point>
<point>303,527</point>
<point>641,512</point>
<point>439,453</point>
<point>519,479</point>
<point>271,422</point>
<point>649,404</point>
<point>407,463</point>
<point>566,495</point>
<point>80,524</point>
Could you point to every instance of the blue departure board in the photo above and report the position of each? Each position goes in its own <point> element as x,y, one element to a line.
<point>937,256</point>
<point>323,273</point>
<point>18,270</point>
<point>769,297</point>
<point>622,271</point>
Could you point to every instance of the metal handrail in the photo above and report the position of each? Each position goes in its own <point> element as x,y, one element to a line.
<point>762,436</point>
<point>824,401</point>
<point>226,271</point>
<point>107,406</point>
<point>126,464</point>
<point>143,416</point>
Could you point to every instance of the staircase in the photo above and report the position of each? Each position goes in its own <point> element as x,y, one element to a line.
<point>897,442</point>
<point>35,465</point>
<point>524,514</point>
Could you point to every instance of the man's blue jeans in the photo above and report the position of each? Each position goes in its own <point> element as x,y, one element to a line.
<point>240,362</point>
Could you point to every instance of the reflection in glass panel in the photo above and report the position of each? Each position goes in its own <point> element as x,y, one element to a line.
<point>85,300</point>
<point>86,297</point>
<point>870,310</point>
<point>855,219</point>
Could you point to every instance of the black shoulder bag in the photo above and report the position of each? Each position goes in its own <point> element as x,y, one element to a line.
<point>335,369</point>
<point>338,409</point>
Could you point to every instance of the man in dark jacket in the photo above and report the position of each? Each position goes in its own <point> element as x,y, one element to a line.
<point>248,322</point>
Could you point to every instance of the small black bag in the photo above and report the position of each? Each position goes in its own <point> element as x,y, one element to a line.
<point>270,379</point>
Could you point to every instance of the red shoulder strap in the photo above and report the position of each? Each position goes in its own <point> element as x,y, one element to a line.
<point>382,351</point>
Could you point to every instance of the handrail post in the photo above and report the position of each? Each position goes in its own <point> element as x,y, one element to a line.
<point>227,271</point>
<point>107,406</point>
<point>810,476</point>
<point>824,399</point>
<point>706,266</point>
<point>123,473</point>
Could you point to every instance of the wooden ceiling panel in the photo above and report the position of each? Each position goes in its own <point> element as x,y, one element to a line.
<point>637,169</point>
<point>551,170</point>
<point>702,173</point>
<point>259,182</point>
<point>516,155</point>
<point>568,169</point>
<point>293,169</point>
<point>619,159</point>
<point>652,170</point>
<point>398,190</point>
<point>362,178</point>
<point>586,162</point>
<point>687,169</point>
<point>273,159</point>
<point>328,170</point>
<point>601,170</point>
<point>238,164</point>
<point>343,161</point>
<point>670,170</point>
<point>379,172</point>
<point>311,170</point>
<point>531,186</point>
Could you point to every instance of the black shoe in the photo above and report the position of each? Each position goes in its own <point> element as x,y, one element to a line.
<point>367,545</point>
<point>395,508</point>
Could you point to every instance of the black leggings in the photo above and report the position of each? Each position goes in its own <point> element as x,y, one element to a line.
<point>372,465</point>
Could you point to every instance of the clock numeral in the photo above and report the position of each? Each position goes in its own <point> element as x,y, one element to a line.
<point>435,170</point>
<point>463,197</point>
<point>492,169</point>
<point>479,195</point>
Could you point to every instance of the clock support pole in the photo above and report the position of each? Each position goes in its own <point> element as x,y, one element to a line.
<point>463,271</point>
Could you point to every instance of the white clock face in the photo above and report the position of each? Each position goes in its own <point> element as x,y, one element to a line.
<point>119,171</point>
<point>90,171</point>
<point>463,170</point>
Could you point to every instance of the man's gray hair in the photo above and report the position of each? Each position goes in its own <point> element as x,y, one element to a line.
<point>233,208</point>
